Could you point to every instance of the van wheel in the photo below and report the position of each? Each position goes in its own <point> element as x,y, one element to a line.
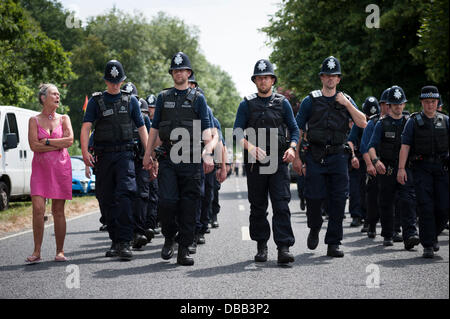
<point>4,200</point>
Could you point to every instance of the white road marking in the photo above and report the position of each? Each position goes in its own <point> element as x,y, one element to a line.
<point>245,233</point>
<point>241,208</point>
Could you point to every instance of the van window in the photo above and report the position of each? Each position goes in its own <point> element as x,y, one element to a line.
<point>10,126</point>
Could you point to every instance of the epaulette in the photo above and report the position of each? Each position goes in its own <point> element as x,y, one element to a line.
<point>418,118</point>
<point>97,94</point>
<point>316,93</point>
<point>251,97</point>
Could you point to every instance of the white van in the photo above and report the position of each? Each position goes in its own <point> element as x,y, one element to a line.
<point>15,154</point>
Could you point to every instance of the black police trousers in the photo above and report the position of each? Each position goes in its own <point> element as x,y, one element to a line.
<point>151,221</point>
<point>204,212</point>
<point>388,189</point>
<point>179,191</point>
<point>276,185</point>
<point>140,200</point>
<point>116,186</point>
<point>357,187</point>
<point>327,183</point>
<point>431,185</point>
<point>215,206</point>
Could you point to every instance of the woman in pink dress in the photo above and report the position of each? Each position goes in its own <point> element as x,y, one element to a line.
<point>49,136</point>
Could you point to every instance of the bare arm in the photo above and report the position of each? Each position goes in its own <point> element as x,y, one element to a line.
<point>35,144</point>
<point>84,140</point>
<point>359,118</point>
<point>67,139</point>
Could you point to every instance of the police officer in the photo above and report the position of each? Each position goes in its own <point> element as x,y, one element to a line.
<point>326,113</point>
<point>357,171</point>
<point>373,214</point>
<point>142,235</point>
<point>271,112</point>
<point>113,113</point>
<point>387,137</point>
<point>425,139</point>
<point>178,110</point>
<point>153,199</point>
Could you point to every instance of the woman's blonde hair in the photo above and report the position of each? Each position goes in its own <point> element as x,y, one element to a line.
<point>43,90</point>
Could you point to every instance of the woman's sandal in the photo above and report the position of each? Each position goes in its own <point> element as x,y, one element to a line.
<point>31,260</point>
<point>61,258</point>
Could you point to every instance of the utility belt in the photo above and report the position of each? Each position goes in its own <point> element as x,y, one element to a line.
<point>113,148</point>
<point>166,147</point>
<point>320,152</point>
<point>442,160</point>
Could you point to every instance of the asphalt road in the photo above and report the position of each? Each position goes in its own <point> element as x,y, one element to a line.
<point>224,267</point>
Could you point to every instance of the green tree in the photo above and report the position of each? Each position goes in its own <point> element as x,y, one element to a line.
<point>303,33</point>
<point>27,58</point>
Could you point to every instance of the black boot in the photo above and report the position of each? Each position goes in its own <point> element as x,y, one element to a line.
<point>125,252</point>
<point>388,241</point>
<point>365,228</point>
<point>183,257</point>
<point>284,256</point>
<point>112,252</point>
<point>313,238</point>
<point>428,252</point>
<point>333,251</point>
<point>302,204</point>
<point>356,222</point>
<point>411,242</point>
<point>193,248</point>
<point>139,241</point>
<point>167,250</point>
<point>261,255</point>
<point>201,239</point>
<point>397,238</point>
<point>372,232</point>
<point>149,234</point>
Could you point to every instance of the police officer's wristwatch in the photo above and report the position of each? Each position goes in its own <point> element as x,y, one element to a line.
<point>294,148</point>
<point>375,160</point>
<point>47,142</point>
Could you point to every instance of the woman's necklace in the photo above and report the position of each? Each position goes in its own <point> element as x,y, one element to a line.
<point>50,116</point>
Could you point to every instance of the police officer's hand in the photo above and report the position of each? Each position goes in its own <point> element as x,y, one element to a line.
<point>355,162</point>
<point>257,153</point>
<point>208,163</point>
<point>154,170</point>
<point>381,169</point>
<point>341,99</point>
<point>402,177</point>
<point>221,175</point>
<point>147,162</point>
<point>289,156</point>
<point>88,159</point>
<point>297,166</point>
<point>87,172</point>
<point>371,170</point>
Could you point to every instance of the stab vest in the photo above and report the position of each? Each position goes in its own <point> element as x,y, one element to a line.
<point>391,140</point>
<point>328,124</point>
<point>177,111</point>
<point>115,125</point>
<point>269,115</point>
<point>430,135</point>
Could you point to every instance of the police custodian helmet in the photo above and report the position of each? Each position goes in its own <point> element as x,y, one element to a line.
<point>396,95</point>
<point>331,66</point>
<point>130,88</point>
<point>263,67</point>
<point>192,79</point>
<point>384,96</point>
<point>370,106</point>
<point>180,61</point>
<point>151,100</point>
<point>114,72</point>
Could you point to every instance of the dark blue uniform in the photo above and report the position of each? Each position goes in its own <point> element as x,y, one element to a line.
<point>326,175</point>
<point>115,173</point>
<point>260,186</point>
<point>430,172</point>
<point>179,183</point>
<point>388,187</point>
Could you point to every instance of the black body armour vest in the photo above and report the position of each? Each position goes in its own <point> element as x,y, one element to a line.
<point>430,135</point>
<point>391,140</point>
<point>267,116</point>
<point>177,112</point>
<point>328,124</point>
<point>115,125</point>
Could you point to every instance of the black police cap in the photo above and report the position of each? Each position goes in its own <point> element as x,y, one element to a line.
<point>384,96</point>
<point>430,92</point>
<point>151,100</point>
<point>263,67</point>
<point>180,61</point>
<point>130,88</point>
<point>114,72</point>
<point>331,66</point>
<point>370,106</point>
<point>396,95</point>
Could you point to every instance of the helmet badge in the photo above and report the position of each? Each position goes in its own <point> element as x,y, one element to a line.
<point>178,59</point>
<point>397,94</point>
<point>262,66</point>
<point>373,110</point>
<point>114,72</point>
<point>331,64</point>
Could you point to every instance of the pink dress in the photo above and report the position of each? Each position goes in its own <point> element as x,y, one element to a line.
<point>51,175</point>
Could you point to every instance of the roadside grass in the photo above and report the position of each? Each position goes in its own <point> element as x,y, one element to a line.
<point>19,214</point>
